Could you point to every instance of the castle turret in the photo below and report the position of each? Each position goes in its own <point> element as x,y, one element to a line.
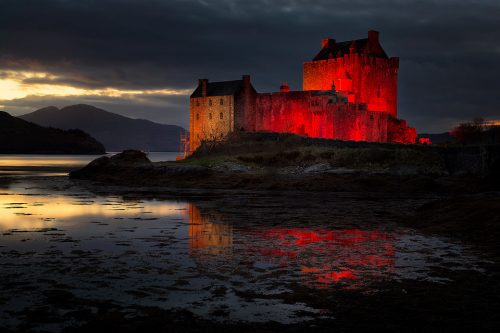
<point>327,42</point>
<point>284,87</point>
<point>360,69</point>
<point>245,117</point>
<point>203,83</point>
<point>373,36</point>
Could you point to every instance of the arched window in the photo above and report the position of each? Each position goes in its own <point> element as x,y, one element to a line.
<point>221,101</point>
<point>221,115</point>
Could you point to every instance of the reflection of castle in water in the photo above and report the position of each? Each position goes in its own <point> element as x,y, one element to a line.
<point>322,256</point>
<point>204,234</point>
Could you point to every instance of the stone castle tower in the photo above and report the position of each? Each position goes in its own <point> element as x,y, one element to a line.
<point>359,69</point>
<point>349,93</point>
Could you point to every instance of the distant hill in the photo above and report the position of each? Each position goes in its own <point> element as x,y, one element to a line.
<point>18,136</point>
<point>116,132</point>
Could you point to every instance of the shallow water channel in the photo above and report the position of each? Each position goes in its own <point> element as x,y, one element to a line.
<point>226,256</point>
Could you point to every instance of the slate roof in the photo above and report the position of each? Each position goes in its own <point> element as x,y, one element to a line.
<point>343,47</point>
<point>222,88</point>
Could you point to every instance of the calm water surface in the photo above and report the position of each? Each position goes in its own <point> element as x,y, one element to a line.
<point>228,257</point>
<point>58,165</point>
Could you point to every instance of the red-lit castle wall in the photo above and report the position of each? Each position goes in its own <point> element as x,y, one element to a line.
<point>360,70</point>
<point>318,114</point>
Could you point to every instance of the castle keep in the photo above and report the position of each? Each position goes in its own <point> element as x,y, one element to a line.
<point>349,93</point>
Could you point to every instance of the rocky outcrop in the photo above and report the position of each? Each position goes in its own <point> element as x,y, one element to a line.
<point>134,167</point>
<point>284,161</point>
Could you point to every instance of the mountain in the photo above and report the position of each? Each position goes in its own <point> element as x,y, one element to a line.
<point>18,136</point>
<point>116,132</point>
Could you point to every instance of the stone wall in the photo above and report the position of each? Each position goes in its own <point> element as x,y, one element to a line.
<point>318,115</point>
<point>210,118</point>
<point>399,132</point>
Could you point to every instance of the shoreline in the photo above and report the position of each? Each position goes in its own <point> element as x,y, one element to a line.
<point>270,161</point>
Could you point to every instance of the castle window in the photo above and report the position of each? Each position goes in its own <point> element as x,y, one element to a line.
<point>197,116</point>
<point>221,115</point>
<point>221,101</point>
<point>210,103</point>
<point>210,116</point>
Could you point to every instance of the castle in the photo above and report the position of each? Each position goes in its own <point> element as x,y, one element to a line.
<point>349,93</point>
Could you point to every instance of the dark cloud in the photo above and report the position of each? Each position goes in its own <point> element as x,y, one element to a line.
<point>449,49</point>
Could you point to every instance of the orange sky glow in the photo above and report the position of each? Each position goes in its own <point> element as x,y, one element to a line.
<point>13,86</point>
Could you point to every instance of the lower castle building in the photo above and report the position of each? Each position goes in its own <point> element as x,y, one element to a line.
<point>350,93</point>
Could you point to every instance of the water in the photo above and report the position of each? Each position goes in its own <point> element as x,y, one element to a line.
<point>58,165</point>
<point>225,256</point>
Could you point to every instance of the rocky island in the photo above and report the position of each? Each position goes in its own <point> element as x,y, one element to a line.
<point>280,161</point>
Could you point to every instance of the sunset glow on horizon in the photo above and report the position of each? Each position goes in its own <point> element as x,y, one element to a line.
<point>21,84</point>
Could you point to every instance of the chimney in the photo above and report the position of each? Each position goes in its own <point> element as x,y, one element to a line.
<point>203,84</point>
<point>373,36</point>
<point>353,47</point>
<point>284,87</point>
<point>327,42</point>
<point>246,81</point>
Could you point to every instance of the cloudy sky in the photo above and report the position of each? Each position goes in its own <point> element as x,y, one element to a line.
<point>142,58</point>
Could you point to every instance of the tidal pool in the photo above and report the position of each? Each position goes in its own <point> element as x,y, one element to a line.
<point>227,256</point>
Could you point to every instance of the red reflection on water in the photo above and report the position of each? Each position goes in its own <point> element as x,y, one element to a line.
<point>327,256</point>
<point>323,257</point>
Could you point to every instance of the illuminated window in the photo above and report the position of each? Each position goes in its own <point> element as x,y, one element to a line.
<point>210,116</point>
<point>221,101</point>
<point>210,103</point>
<point>221,115</point>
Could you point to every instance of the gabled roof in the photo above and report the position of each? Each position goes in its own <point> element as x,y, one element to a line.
<point>361,46</point>
<point>222,88</point>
